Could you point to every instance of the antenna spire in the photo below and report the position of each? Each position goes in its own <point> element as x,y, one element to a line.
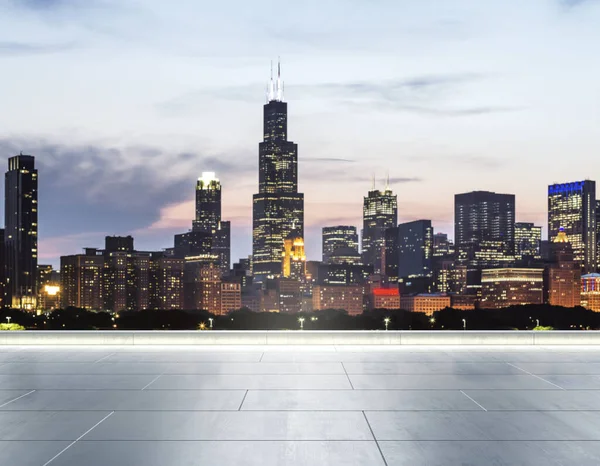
<point>279,93</point>
<point>387,181</point>
<point>373,182</point>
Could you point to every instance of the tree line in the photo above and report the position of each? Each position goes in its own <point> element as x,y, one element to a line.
<point>511,318</point>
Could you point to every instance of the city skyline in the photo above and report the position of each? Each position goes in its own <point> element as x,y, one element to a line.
<point>467,124</point>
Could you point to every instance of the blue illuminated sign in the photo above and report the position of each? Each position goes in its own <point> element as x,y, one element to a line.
<point>576,186</point>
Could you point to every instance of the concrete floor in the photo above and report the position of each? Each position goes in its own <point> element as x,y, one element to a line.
<point>394,406</point>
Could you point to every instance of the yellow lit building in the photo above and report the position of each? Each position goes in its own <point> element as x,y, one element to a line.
<point>428,303</point>
<point>511,286</point>
<point>347,297</point>
<point>294,258</point>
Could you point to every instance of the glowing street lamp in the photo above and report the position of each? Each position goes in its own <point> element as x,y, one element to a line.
<point>210,321</point>
<point>301,320</point>
<point>386,321</point>
<point>464,324</point>
<point>8,319</point>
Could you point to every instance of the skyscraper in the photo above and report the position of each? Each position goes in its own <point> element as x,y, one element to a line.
<point>528,239</point>
<point>21,220</point>
<point>572,207</point>
<point>338,237</point>
<point>278,208</point>
<point>415,248</point>
<point>380,212</point>
<point>208,203</point>
<point>484,228</point>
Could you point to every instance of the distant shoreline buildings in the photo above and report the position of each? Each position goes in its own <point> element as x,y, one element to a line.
<point>494,261</point>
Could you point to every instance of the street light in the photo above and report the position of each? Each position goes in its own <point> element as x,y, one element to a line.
<point>210,321</point>
<point>537,321</point>
<point>387,322</point>
<point>301,320</point>
<point>8,319</point>
<point>464,324</point>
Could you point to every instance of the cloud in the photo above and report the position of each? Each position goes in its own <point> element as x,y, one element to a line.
<point>117,189</point>
<point>24,48</point>
<point>328,159</point>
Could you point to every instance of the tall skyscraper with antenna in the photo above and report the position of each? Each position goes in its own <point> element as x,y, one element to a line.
<point>278,208</point>
<point>380,212</point>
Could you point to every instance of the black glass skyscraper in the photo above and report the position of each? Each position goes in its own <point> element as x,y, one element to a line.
<point>21,220</point>
<point>208,203</point>
<point>484,228</point>
<point>278,208</point>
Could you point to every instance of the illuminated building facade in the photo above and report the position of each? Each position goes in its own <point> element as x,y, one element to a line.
<point>294,258</point>
<point>415,248</point>
<point>511,287</point>
<point>21,229</point>
<point>528,239</point>
<point>346,297</point>
<point>338,237</point>
<point>380,212</point>
<point>231,297</point>
<point>385,298</point>
<point>290,295</point>
<point>166,282</point>
<point>427,303</point>
<point>81,278</point>
<point>344,256</point>
<point>48,286</point>
<point>442,246</point>
<point>484,228</point>
<point>562,277</point>
<point>572,207</point>
<point>590,291</point>
<point>278,207</point>
<point>343,274</point>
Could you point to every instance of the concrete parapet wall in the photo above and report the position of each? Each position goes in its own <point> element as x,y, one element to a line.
<point>324,337</point>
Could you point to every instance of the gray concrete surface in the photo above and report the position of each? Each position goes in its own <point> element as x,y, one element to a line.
<point>299,405</point>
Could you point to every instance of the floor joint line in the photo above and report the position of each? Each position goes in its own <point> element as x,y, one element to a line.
<point>374,438</point>
<point>79,438</point>
<point>154,380</point>
<point>18,398</point>
<point>350,381</point>
<point>474,401</point>
<point>536,376</point>
<point>105,357</point>
<point>243,399</point>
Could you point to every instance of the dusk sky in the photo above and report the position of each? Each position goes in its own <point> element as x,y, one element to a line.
<point>125,102</point>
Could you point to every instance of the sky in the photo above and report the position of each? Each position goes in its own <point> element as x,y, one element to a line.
<point>124,103</point>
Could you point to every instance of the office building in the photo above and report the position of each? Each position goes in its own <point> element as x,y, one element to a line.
<point>231,297</point>
<point>293,257</point>
<point>346,297</point>
<point>338,237</point>
<point>528,239</point>
<point>415,248</point>
<point>380,212</point>
<point>442,246</point>
<point>484,228</point>
<point>344,256</point>
<point>166,282</point>
<point>126,281</point>
<point>192,243</point>
<point>427,303</point>
<point>278,207</point>
<point>21,229</point>
<point>511,287</point>
<point>48,286</point>
<point>572,207</point>
<point>562,276</point>
<point>290,295</point>
<point>391,253</point>
<point>590,291</point>
<point>343,274</point>
<point>385,298</point>
<point>81,278</point>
